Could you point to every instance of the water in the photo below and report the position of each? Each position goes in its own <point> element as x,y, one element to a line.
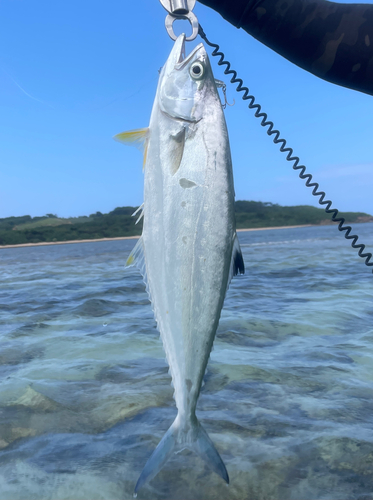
<point>85,394</point>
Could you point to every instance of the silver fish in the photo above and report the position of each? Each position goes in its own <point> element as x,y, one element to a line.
<point>188,251</point>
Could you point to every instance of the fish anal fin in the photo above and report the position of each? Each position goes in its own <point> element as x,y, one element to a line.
<point>141,210</point>
<point>141,207</point>
<point>137,258</point>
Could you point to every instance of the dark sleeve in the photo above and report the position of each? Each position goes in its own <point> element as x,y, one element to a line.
<point>333,41</point>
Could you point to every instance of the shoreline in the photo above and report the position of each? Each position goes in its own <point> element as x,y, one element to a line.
<point>277,227</point>
<point>70,242</point>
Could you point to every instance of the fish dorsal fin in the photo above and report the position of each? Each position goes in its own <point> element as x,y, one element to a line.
<point>172,154</point>
<point>138,138</point>
<point>237,263</point>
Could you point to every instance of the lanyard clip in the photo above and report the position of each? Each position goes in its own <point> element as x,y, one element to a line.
<point>180,9</point>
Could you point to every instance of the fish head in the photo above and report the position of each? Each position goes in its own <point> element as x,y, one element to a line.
<point>185,81</point>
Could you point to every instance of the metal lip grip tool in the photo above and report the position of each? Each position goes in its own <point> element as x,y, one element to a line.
<point>180,9</point>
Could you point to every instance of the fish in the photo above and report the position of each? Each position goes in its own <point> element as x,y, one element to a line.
<point>188,251</point>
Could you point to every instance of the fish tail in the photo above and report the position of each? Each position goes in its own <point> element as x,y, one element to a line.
<point>159,457</point>
<point>205,448</point>
<point>177,438</point>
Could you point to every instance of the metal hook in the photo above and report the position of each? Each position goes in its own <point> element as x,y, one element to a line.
<point>180,9</point>
<point>221,85</point>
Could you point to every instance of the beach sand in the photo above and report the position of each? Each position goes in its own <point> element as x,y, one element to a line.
<point>44,243</point>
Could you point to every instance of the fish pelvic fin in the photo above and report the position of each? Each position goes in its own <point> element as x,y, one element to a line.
<point>178,437</point>
<point>138,138</point>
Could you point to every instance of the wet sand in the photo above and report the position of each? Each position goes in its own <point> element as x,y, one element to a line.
<point>43,243</point>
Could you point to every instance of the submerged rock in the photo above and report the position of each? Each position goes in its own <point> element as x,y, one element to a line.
<point>36,401</point>
<point>9,434</point>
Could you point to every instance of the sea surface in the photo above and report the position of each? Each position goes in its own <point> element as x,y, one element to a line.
<point>85,393</point>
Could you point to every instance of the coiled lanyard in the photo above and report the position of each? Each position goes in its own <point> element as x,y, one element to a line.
<point>182,9</point>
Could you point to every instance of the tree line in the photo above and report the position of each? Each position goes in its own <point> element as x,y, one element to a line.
<point>117,223</point>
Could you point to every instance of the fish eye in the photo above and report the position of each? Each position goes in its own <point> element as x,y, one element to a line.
<point>197,70</point>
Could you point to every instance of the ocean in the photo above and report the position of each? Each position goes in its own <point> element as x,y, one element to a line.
<point>85,393</point>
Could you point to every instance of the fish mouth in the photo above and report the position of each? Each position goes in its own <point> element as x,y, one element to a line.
<point>182,60</point>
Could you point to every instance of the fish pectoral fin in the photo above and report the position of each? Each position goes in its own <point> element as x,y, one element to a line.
<point>172,153</point>
<point>138,138</point>
<point>237,263</point>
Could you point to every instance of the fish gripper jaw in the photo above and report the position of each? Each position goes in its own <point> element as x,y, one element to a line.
<point>180,9</point>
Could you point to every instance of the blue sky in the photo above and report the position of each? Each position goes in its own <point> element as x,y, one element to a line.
<point>73,74</point>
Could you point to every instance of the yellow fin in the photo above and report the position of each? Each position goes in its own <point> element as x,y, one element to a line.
<point>136,137</point>
<point>130,260</point>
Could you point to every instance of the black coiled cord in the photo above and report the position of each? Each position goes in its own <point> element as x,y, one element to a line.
<point>269,124</point>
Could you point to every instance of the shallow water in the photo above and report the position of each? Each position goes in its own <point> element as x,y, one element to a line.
<point>85,394</point>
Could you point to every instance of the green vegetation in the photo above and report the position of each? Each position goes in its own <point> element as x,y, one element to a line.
<point>249,214</point>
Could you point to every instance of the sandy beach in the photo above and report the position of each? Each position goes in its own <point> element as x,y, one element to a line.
<point>44,243</point>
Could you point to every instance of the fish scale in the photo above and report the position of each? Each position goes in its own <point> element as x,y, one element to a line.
<point>188,251</point>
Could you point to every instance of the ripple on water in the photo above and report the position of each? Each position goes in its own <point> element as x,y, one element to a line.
<point>85,393</point>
